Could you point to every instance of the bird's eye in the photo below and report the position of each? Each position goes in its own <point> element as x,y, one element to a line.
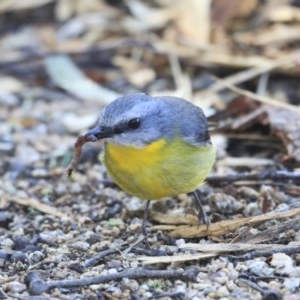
<point>134,123</point>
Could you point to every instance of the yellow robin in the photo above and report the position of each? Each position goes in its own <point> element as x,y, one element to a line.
<point>155,147</point>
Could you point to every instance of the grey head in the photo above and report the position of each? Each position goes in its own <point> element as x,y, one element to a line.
<point>138,120</point>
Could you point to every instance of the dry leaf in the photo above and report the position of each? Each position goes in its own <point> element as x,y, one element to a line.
<point>193,19</point>
<point>64,9</point>
<point>141,77</point>
<point>10,85</point>
<point>285,124</point>
<point>146,18</point>
<point>223,10</point>
<point>277,34</point>
<point>68,76</point>
<point>283,13</point>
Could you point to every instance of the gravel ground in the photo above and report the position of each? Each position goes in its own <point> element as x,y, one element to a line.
<point>55,229</point>
<point>79,237</point>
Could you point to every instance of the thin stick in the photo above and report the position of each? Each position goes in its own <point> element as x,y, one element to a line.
<point>288,249</point>
<point>262,99</point>
<point>95,259</point>
<point>37,285</point>
<point>267,175</point>
<point>144,225</point>
<point>202,216</point>
<point>250,73</point>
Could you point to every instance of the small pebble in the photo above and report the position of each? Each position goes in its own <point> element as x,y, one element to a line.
<point>8,99</point>
<point>81,246</point>
<point>180,243</point>
<point>291,297</point>
<point>76,188</point>
<point>36,257</point>
<point>292,284</point>
<point>252,209</point>
<point>222,292</point>
<point>112,271</point>
<point>230,285</point>
<point>61,188</point>
<point>50,236</point>
<point>15,287</point>
<point>181,288</point>
<point>247,193</point>
<point>61,273</point>
<point>39,173</point>
<point>114,290</point>
<point>260,268</point>
<point>141,77</point>
<point>116,264</point>
<point>134,204</point>
<point>133,285</point>
<point>7,243</point>
<point>6,146</point>
<point>283,263</point>
<point>95,287</point>
<point>91,273</point>
<point>83,207</point>
<point>225,204</point>
<point>221,278</point>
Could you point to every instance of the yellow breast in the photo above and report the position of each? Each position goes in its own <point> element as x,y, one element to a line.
<point>160,169</point>
<point>132,159</point>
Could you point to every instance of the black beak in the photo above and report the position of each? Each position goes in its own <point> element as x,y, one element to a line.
<point>98,133</point>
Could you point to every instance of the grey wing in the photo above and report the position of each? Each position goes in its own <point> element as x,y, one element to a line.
<point>194,127</point>
<point>193,123</point>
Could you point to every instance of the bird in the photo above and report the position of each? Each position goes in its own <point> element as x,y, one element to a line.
<point>155,147</point>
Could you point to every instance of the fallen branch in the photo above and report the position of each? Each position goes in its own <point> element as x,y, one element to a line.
<point>219,228</point>
<point>37,285</point>
<point>256,97</point>
<point>249,73</point>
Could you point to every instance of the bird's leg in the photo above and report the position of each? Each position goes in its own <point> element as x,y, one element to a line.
<point>143,235</point>
<point>144,225</point>
<point>202,216</point>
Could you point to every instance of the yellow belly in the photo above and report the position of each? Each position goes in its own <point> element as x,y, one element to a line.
<point>160,169</point>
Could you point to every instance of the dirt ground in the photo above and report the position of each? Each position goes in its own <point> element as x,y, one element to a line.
<point>61,62</point>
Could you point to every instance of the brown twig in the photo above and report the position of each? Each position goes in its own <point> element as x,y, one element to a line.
<point>219,228</point>
<point>261,99</point>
